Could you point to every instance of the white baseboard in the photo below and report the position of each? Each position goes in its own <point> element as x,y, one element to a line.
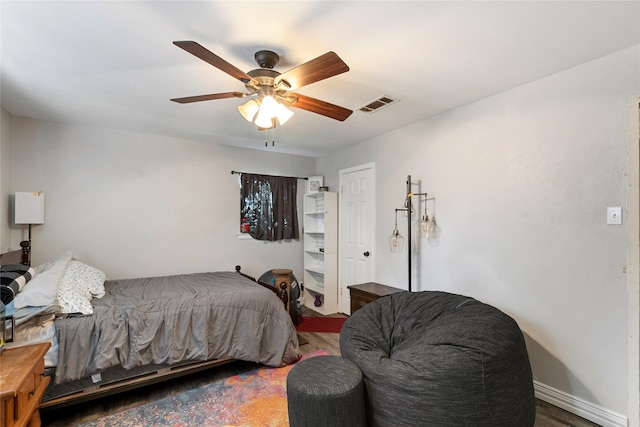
<point>590,411</point>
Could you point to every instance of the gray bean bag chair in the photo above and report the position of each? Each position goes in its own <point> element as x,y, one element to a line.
<point>439,359</point>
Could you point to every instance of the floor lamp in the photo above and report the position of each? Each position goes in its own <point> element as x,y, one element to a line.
<point>396,241</point>
<point>28,209</point>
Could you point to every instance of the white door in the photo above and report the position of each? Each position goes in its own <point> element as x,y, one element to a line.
<point>356,225</point>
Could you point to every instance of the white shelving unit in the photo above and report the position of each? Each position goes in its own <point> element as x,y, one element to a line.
<point>320,229</point>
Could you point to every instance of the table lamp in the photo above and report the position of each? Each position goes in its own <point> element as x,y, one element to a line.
<point>29,209</point>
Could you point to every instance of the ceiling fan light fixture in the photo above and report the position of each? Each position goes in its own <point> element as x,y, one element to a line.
<point>249,109</point>
<point>283,114</point>
<point>263,111</point>
<point>268,109</point>
<point>263,121</point>
<point>271,109</point>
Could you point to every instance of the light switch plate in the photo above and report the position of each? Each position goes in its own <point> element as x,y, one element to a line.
<point>614,215</point>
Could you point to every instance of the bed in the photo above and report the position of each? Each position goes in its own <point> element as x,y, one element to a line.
<point>109,336</point>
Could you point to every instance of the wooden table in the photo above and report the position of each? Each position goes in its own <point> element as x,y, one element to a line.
<point>365,293</point>
<point>22,385</point>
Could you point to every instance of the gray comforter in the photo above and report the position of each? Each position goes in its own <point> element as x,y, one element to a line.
<point>171,319</point>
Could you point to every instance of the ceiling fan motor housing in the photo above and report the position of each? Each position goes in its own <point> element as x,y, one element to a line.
<point>266,58</point>
<point>266,78</point>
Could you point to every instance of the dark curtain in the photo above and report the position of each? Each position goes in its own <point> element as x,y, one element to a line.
<point>269,205</point>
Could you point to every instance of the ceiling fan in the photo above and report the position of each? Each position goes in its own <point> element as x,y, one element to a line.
<point>265,85</point>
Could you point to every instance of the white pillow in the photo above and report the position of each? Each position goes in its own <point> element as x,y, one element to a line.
<point>41,291</point>
<point>80,283</point>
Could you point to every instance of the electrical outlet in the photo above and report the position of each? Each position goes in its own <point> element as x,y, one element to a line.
<point>614,215</point>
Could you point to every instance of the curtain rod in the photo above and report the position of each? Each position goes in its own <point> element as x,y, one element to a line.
<point>296,177</point>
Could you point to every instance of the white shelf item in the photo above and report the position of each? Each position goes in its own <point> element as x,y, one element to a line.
<point>320,234</point>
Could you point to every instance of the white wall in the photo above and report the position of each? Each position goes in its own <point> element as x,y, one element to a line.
<point>522,181</point>
<point>137,205</point>
<point>5,181</point>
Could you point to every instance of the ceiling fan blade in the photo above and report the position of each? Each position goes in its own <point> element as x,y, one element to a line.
<point>213,59</point>
<point>188,99</point>
<point>320,107</point>
<point>323,67</point>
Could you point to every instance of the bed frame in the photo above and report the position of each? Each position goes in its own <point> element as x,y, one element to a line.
<point>145,375</point>
<point>282,289</point>
<point>16,257</point>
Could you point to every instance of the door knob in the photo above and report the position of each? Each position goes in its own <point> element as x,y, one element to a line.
<point>366,253</point>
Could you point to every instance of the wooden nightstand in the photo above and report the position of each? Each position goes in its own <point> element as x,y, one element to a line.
<point>365,293</point>
<point>22,385</point>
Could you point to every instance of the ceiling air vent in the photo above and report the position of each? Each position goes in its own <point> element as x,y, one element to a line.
<point>377,104</point>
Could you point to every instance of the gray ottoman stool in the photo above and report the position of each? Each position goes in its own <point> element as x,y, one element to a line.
<point>325,391</point>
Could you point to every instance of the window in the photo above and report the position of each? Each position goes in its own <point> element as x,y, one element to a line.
<point>268,207</point>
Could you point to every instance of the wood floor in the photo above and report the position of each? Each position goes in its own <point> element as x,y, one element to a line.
<point>546,415</point>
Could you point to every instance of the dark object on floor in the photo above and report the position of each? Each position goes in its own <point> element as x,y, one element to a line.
<point>325,391</point>
<point>440,359</point>
<point>320,324</point>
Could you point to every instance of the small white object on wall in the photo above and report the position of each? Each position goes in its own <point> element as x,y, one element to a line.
<point>614,215</point>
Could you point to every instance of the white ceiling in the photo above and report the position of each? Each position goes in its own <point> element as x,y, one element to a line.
<point>113,63</point>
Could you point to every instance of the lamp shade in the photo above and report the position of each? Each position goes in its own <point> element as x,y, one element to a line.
<point>284,114</point>
<point>396,242</point>
<point>249,109</point>
<point>29,207</point>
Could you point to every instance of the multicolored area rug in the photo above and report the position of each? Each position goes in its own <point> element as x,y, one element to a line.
<point>320,324</point>
<point>255,398</point>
